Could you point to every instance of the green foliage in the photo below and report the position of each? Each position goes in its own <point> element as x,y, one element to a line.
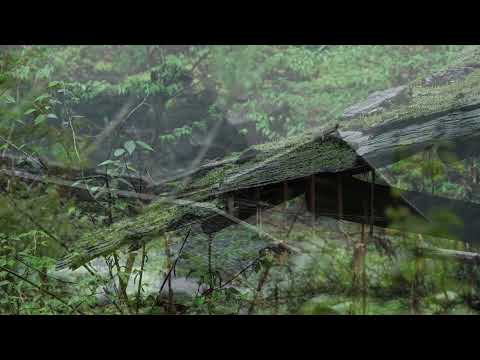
<point>291,88</point>
<point>280,91</point>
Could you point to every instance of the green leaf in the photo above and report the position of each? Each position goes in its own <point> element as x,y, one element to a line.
<point>94,189</point>
<point>99,192</point>
<point>130,146</point>
<point>41,97</point>
<point>126,182</point>
<point>53,84</point>
<point>40,119</point>
<point>52,116</point>
<point>106,162</point>
<point>9,99</point>
<point>119,152</point>
<point>30,111</point>
<point>131,168</point>
<point>144,145</point>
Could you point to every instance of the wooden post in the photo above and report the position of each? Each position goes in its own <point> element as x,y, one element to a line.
<point>259,208</point>
<point>312,199</point>
<point>340,196</point>
<point>285,194</point>
<point>285,203</point>
<point>231,205</point>
<point>364,274</point>
<point>372,192</point>
<point>210,268</point>
<point>364,270</point>
<point>359,281</point>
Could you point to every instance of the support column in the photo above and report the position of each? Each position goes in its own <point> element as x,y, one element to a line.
<point>359,281</point>
<point>313,198</point>
<point>210,267</point>
<point>340,196</point>
<point>372,204</point>
<point>259,208</point>
<point>285,194</point>
<point>231,205</point>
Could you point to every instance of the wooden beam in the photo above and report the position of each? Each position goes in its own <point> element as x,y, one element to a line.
<point>447,254</point>
<point>388,143</point>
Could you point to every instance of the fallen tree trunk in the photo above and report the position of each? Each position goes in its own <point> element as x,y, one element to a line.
<point>55,169</point>
<point>447,254</point>
<point>78,191</point>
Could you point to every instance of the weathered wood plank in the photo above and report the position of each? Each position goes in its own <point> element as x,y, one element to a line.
<point>383,145</point>
<point>448,254</point>
<point>430,215</point>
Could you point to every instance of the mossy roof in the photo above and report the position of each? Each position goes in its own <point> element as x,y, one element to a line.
<point>287,159</point>
<point>455,87</point>
<point>159,217</point>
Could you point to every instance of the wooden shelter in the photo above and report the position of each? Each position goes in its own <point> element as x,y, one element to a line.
<point>442,110</point>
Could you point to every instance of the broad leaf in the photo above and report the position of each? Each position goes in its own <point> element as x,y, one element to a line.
<point>9,99</point>
<point>130,146</point>
<point>118,152</point>
<point>40,119</point>
<point>144,145</point>
<point>53,84</point>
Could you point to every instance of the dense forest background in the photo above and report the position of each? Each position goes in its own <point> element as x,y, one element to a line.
<point>159,111</point>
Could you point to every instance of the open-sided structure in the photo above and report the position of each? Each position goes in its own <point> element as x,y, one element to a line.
<point>442,110</point>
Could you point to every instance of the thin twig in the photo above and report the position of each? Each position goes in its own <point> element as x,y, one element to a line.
<point>38,161</point>
<point>48,233</point>
<point>140,280</point>
<point>74,139</point>
<point>11,272</point>
<point>112,279</point>
<point>239,273</point>
<point>121,283</point>
<point>175,262</point>
<point>120,116</point>
<point>42,273</point>
<point>261,283</point>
